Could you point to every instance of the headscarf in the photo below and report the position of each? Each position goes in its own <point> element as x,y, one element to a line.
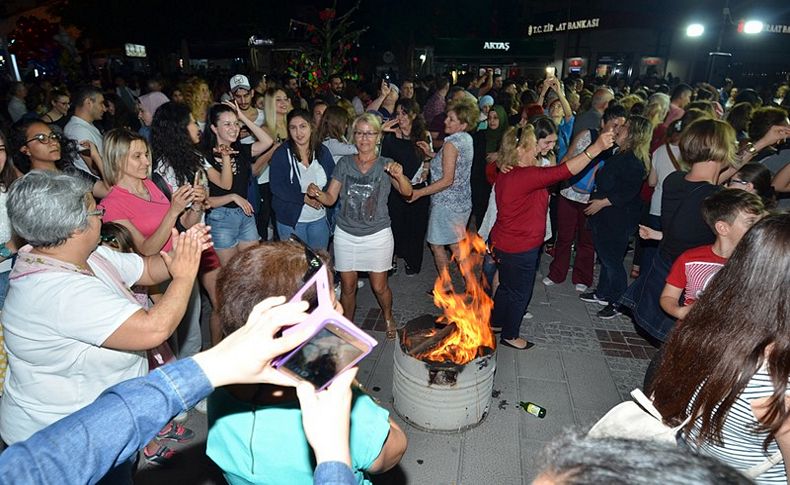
<point>494,136</point>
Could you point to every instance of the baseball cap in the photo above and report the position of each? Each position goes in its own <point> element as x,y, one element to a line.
<point>239,81</point>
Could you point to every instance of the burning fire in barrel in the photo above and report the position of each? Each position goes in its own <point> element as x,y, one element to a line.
<point>444,367</point>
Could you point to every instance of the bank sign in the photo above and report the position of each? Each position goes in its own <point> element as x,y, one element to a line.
<point>550,28</point>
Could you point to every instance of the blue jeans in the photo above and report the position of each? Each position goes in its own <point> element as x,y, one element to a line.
<point>650,248</point>
<point>3,287</point>
<point>230,226</point>
<point>315,234</point>
<point>516,281</point>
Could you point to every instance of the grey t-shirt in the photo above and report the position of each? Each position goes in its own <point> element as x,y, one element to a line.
<point>363,197</point>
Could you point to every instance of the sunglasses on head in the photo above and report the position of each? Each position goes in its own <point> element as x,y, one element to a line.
<point>314,263</point>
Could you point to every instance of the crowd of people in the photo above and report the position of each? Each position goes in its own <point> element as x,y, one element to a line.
<point>125,209</point>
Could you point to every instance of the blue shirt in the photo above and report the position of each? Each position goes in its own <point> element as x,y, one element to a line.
<point>123,419</point>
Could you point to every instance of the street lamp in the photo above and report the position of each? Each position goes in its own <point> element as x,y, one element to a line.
<point>752,27</point>
<point>695,30</point>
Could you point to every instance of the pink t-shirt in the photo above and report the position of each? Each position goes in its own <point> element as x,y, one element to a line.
<point>145,216</point>
<point>693,270</point>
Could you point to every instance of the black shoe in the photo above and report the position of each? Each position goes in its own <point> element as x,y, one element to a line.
<point>608,312</point>
<point>411,271</point>
<point>591,297</point>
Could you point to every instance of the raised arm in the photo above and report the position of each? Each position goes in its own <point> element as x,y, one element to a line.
<point>263,140</point>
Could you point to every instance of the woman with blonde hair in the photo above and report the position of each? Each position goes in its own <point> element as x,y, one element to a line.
<point>363,236</point>
<point>657,108</point>
<point>522,200</point>
<point>198,97</point>
<point>615,208</point>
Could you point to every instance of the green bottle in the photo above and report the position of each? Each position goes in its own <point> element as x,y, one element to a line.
<point>533,409</point>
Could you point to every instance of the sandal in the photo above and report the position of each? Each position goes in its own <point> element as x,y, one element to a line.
<point>161,456</point>
<point>175,432</point>
<point>392,330</point>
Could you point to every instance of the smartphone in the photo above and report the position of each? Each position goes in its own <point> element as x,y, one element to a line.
<point>481,72</point>
<point>497,71</point>
<point>551,71</point>
<point>335,343</point>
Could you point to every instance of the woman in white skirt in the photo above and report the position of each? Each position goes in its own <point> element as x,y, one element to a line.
<point>363,238</point>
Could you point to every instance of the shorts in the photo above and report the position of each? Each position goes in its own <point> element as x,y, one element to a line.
<point>446,226</point>
<point>230,226</point>
<point>371,253</point>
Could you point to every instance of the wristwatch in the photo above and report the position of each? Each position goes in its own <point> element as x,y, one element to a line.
<point>5,252</point>
<point>750,148</point>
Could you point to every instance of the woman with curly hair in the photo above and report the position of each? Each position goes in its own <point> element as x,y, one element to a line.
<point>177,160</point>
<point>198,97</point>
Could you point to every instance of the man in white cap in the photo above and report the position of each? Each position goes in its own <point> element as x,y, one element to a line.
<point>242,93</point>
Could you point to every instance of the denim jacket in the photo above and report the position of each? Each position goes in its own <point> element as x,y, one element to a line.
<point>84,446</point>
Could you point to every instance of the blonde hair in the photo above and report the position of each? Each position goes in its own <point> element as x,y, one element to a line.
<point>657,108</point>
<point>629,101</point>
<point>513,138</point>
<point>708,139</point>
<point>467,112</point>
<point>640,132</point>
<point>191,89</point>
<point>117,144</point>
<point>274,128</point>
<point>372,120</point>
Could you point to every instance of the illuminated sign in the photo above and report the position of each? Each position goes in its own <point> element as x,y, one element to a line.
<point>563,26</point>
<point>135,50</point>
<point>497,46</point>
<point>777,29</point>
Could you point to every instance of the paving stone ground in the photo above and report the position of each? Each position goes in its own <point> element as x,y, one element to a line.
<point>580,367</point>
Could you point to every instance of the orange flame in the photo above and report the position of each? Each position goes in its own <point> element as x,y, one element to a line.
<point>469,311</point>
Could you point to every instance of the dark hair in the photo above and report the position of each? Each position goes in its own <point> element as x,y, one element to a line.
<point>760,177</point>
<point>527,97</point>
<point>726,204</point>
<point>123,117</point>
<point>117,236</point>
<point>83,93</point>
<point>453,90</point>
<point>725,336</point>
<point>18,138</point>
<point>212,118</point>
<point>7,174</point>
<point>442,82</point>
<point>545,126</point>
<point>679,90</point>
<point>171,144</point>
<point>763,119</point>
<point>689,117</point>
<point>334,124</point>
<point>614,110</point>
<point>266,270</point>
<point>419,129</point>
<point>313,144</point>
<point>748,96</point>
<point>740,116</point>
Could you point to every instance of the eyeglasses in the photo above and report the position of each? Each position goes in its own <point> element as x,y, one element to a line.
<point>366,134</point>
<point>109,239</point>
<point>45,138</point>
<point>314,263</point>
<point>737,181</point>
<point>98,212</point>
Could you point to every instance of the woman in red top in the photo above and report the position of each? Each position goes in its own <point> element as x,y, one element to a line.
<point>522,200</point>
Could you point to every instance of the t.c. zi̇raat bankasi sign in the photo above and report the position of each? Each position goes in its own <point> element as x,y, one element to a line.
<point>563,26</point>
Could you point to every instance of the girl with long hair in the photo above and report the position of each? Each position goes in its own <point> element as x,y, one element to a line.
<point>231,217</point>
<point>615,208</point>
<point>755,178</point>
<point>198,97</point>
<point>300,161</point>
<point>8,247</point>
<point>409,221</point>
<point>332,132</point>
<point>177,159</point>
<point>728,366</point>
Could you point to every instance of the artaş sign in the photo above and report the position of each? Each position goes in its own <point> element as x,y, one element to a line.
<point>563,26</point>
<point>497,46</point>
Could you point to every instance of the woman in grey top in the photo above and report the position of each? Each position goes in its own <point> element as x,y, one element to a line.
<point>450,188</point>
<point>363,238</point>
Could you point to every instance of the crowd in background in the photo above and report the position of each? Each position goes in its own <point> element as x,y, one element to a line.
<point>364,175</point>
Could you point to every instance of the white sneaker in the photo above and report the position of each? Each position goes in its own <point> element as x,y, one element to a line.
<point>360,284</point>
<point>548,282</point>
<point>529,316</point>
<point>201,406</point>
<point>581,287</point>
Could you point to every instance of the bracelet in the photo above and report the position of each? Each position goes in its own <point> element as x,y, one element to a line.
<point>588,155</point>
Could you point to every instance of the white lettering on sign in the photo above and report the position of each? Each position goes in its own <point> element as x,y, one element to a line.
<point>564,26</point>
<point>497,46</point>
<point>777,29</point>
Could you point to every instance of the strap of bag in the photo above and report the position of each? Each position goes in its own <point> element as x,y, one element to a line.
<point>763,467</point>
<point>672,157</point>
<point>647,405</point>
